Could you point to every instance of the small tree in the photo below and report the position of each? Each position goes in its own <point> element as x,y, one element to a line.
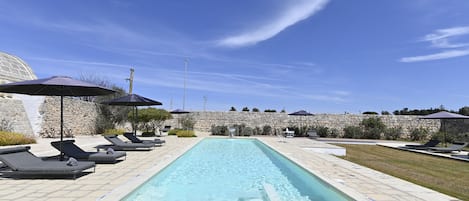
<point>232,109</point>
<point>392,133</point>
<point>151,118</point>
<point>353,132</point>
<point>373,127</point>
<point>267,130</point>
<point>255,109</point>
<point>418,134</point>
<point>245,109</point>
<point>187,122</point>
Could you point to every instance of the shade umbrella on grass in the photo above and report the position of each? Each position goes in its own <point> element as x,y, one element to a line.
<point>442,116</point>
<point>135,101</point>
<point>301,113</point>
<point>56,86</point>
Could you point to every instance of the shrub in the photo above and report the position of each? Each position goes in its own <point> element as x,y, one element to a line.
<point>267,130</point>
<point>373,127</point>
<point>257,131</point>
<point>392,133</point>
<point>245,109</point>
<point>186,133</point>
<point>247,131</point>
<point>232,109</point>
<point>441,136</point>
<point>10,138</point>
<point>385,113</point>
<point>173,131</point>
<point>255,109</point>
<point>417,134</point>
<point>333,132</point>
<point>114,131</point>
<point>219,130</point>
<point>322,131</point>
<point>187,122</point>
<point>370,112</point>
<point>353,132</point>
<point>270,110</point>
<point>6,125</point>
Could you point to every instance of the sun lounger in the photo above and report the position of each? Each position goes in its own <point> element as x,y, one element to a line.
<point>427,145</point>
<point>289,133</point>
<point>166,129</point>
<point>135,139</point>
<point>457,146</point>
<point>22,163</point>
<point>119,145</point>
<point>72,150</point>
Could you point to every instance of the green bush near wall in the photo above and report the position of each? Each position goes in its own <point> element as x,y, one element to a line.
<point>173,131</point>
<point>10,138</point>
<point>114,131</point>
<point>186,133</point>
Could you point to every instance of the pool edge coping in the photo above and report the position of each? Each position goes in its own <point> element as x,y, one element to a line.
<point>337,185</point>
<point>133,183</point>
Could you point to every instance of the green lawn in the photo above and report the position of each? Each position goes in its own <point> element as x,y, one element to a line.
<point>447,176</point>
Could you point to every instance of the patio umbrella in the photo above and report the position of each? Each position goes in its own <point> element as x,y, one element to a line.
<point>443,115</point>
<point>133,100</point>
<point>301,113</point>
<point>179,111</point>
<point>56,86</point>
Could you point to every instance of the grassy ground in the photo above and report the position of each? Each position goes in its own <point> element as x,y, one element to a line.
<point>447,176</point>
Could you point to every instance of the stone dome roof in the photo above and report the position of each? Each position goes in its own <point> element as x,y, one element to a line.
<point>13,69</point>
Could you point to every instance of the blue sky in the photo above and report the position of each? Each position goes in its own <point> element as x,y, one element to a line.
<point>324,56</point>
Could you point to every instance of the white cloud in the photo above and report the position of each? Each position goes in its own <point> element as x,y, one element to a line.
<point>443,39</point>
<point>442,55</point>
<point>290,16</point>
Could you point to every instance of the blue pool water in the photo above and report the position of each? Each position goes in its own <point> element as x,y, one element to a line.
<point>235,170</point>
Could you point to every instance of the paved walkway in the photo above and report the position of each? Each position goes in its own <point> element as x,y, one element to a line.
<point>113,181</point>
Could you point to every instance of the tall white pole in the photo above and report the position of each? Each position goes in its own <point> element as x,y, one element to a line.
<point>184,97</point>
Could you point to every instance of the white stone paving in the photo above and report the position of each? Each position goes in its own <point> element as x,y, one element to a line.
<point>113,181</point>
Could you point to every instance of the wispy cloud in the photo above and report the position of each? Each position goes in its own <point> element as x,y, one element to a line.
<point>90,63</point>
<point>442,55</point>
<point>294,13</point>
<point>443,39</point>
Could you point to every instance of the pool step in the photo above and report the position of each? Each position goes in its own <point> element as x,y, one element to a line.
<point>270,191</point>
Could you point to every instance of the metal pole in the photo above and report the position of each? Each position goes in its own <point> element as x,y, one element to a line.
<point>131,80</point>
<point>61,126</point>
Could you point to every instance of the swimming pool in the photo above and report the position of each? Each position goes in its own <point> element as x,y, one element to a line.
<point>234,169</point>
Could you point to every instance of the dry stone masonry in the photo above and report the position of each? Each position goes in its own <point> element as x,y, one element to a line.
<point>281,120</point>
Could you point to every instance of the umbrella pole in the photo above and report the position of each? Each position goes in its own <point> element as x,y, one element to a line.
<point>61,126</point>
<point>135,121</point>
<point>444,131</point>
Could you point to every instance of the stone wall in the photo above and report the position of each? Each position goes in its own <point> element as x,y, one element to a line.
<point>281,120</point>
<point>13,112</point>
<point>79,117</point>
